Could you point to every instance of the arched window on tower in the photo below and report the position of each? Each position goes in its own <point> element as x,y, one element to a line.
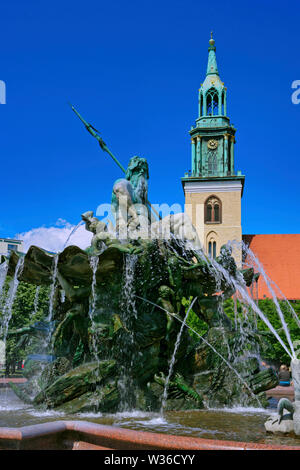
<point>212,102</point>
<point>209,211</point>
<point>213,210</point>
<point>223,104</point>
<point>209,248</point>
<point>201,111</point>
<point>212,244</point>
<point>214,249</point>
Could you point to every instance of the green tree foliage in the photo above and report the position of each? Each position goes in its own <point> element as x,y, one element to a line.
<point>24,314</point>
<point>274,352</point>
<point>193,321</point>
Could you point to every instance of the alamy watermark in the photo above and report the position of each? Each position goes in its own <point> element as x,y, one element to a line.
<point>2,92</point>
<point>296,94</point>
<point>128,221</point>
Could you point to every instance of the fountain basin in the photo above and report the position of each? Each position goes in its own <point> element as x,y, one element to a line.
<point>83,435</point>
<point>24,427</point>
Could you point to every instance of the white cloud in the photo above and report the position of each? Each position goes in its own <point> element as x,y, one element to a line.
<point>54,238</point>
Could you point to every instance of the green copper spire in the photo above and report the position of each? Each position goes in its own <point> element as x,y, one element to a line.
<point>212,94</point>
<point>212,68</point>
<point>212,137</point>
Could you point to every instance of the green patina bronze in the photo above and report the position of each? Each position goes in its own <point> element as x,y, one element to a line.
<point>213,136</point>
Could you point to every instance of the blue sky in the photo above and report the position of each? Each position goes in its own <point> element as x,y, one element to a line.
<point>133,69</point>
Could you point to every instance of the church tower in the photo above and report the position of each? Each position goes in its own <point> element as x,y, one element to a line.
<point>212,189</point>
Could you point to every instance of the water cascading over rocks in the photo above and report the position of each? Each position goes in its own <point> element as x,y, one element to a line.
<point>116,311</point>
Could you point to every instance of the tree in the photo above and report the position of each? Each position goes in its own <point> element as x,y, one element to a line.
<point>273,352</point>
<point>30,304</point>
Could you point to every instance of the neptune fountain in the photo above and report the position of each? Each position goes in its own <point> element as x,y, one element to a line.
<point>116,335</point>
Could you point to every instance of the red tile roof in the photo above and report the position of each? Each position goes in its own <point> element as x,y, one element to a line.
<point>280,258</point>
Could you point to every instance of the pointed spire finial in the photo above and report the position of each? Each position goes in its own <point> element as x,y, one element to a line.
<point>212,68</point>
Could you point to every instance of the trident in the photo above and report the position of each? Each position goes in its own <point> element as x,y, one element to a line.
<point>91,129</point>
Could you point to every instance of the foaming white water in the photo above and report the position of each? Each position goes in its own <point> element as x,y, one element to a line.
<point>131,414</point>
<point>162,424</point>
<point>243,410</point>
<point>90,414</point>
<point>140,417</point>
<point>154,421</point>
<point>46,413</point>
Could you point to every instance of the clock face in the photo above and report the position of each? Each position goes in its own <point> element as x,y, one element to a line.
<point>212,144</point>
